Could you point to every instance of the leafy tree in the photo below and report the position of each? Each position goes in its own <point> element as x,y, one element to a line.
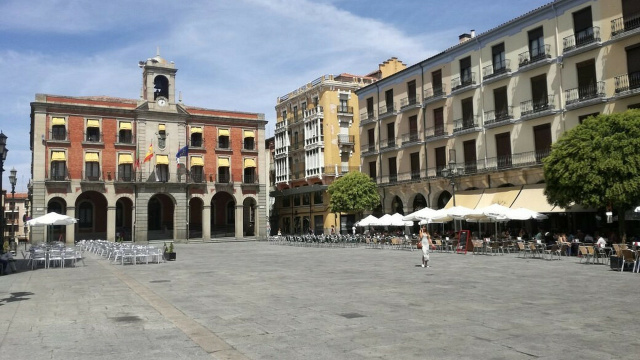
<point>354,193</point>
<point>597,164</point>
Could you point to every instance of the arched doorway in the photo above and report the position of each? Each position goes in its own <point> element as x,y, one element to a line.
<point>397,206</point>
<point>223,215</point>
<point>249,217</point>
<point>91,212</point>
<point>57,232</point>
<point>195,218</point>
<point>160,217</point>
<point>124,219</point>
<point>443,199</point>
<point>419,202</point>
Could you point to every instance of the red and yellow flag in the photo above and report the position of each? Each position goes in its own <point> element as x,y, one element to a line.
<point>149,154</point>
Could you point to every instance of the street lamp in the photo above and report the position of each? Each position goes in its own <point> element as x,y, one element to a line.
<point>26,218</point>
<point>3,157</point>
<point>13,180</point>
<point>451,172</point>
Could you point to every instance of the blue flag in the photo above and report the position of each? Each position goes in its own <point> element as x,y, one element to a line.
<point>183,152</point>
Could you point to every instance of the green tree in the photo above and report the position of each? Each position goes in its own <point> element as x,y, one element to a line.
<point>597,164</point>
<point>353,193</point>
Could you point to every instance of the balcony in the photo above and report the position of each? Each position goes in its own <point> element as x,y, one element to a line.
<point>627,84</point>
<point>465,126</point>
<point>58,176</point>
<point>499,118</point>
<point>496,71</point>
<point>411,138</point>
<point>314,113</point>
<point>348,140</point>
<point>387,144</point>
<point>530,109</point>
<point>58,136</point>
<point>625,26</point>
<point>92,138</point>
<point>532,59</point>
<point>434,94</point>
<point>250,181</point>
<point>436,133</point>
<point>340,170</point>
<point>582,41</point>
<point>368,149</point>
<point>498,163</point>
<point>92,176</point>
<point>367,117</point>
<point>281,127</point>
<point>463,83</point>
<point>224,143</point>
<point>196,143</point>
<point>345,110</point>
<point>403,177</point>
<point>196,177</point>
<point>224,179</point>
<point>386,111</point>
<point>125,139</point>
<point>125,177</point>
<point>409,103</point>
<point>584,96</point>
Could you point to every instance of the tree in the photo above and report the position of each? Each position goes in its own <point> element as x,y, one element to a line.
<point>354,192</point>
<point>597,164</point>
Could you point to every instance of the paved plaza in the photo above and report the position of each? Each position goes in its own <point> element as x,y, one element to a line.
<point>255,300</point>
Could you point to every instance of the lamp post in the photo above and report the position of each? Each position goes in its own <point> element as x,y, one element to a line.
<point>450,172</point>
<point>26,218</point>
<point>3,157</point>
<point>13,179</point>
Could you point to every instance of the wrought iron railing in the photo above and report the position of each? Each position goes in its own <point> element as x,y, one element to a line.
<point>434,92</point>
<point>344,139</point>
<point>92,176</point>
<point>387,143</point>
<point>535,55</point>
<point>530,107</point>
<point>93,137</point>
<point>463,81</point>
<point>497,68</point>
<point>411,137</point>
<point>342,109</point>
<point>196,143</point>
<point>465,124</point>
<point>624,24</point>
<point>584,93</point>
<point>493,116</point>
<point>627,82</point>
<point>58,135</point>
<point>581,38</point>
<point>436,131</point>
<point>387,110</point>
<point>408,101</point>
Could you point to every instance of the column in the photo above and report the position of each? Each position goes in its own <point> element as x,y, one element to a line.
<point>206,222</point>
<point>70,230</point>
<point>111,223</point>
<point>239,221</point>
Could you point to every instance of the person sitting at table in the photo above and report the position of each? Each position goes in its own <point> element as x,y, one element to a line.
<point>601,243</point>
<point>588,238</point>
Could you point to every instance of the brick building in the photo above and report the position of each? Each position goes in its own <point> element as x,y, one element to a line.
<point>151,168</point>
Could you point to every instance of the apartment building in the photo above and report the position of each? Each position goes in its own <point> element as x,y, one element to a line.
<point>489,108</point>
<point>147,168</point>
<point>15,209</point>
<point>316,142</point>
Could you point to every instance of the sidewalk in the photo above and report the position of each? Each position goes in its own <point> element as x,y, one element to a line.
<point>253,300</point>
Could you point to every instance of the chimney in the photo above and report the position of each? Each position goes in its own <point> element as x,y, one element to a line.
<point>464,37</point>
<point>473,33</point>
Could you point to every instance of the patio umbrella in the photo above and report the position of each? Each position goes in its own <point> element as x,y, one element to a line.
<point>421,214</point>
<point>396,220</point>
<point>526,214</point>
<point>52,218</point>
<point>366,221</point>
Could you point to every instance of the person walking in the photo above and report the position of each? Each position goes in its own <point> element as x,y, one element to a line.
<point>425,239</point>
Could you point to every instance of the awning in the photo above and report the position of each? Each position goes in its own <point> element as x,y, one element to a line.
<point>92,123</point>
<point>467,198</point>
<point>532,197</point>
<point>197,161</point>
<point>300,190</point>
<point>58,121</point>
<point>125,125</point>
<point>249,133</point>
<point>125,159</point>
<point>196,130</point>
<point>162,159</point>
<point>58,156</point>
<point>223,132</point>
<point>223,162</point>
<point>161,127</point>
<point>249,163</point>
<point>502,196</point>
<point>91,157</point>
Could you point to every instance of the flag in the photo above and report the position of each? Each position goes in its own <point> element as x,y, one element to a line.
<point>136,165</point>
<point>182,152</point>
<point>149,154</point>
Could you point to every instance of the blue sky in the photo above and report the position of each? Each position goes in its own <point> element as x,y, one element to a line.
<point>230,54</point>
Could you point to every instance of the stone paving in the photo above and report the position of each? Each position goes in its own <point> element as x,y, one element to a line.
<point>254,300</point>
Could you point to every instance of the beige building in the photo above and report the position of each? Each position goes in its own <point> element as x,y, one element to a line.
<point>316,141</point>
<point>490,107</point>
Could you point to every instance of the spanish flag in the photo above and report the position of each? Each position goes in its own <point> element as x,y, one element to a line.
<point>149,154</point>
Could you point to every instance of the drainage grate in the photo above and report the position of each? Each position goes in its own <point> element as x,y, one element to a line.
<point>352,315</point>
<point>129,319</point>
<point>159,281</point>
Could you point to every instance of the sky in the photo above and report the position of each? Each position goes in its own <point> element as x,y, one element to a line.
<point>230,54</point>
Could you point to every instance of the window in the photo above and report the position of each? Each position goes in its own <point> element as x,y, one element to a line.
<point>413,128</point>
<point>584,117</point>
<point>371,134</point>
<point>503,150</point>
<point>436,80</point>
<point>539,93</point>
<point>470,161</point>
<point>58,166</point>
<point>250,171</point>
<point>438,121</point>
<point>125,133</point>
<point>465,71</point>
<point>467,113</point>
<point>344,105</point>
<point>372,170</point>
<point>197,169</point>
<point>587,87</point>
<point>393,170</point>
<point>633,65</point>
<point>441,159</point>
<point>370,108</point>
<point>223,171</point>
<point>501,104</point>
<point>58,129</point>
<point>93,131</point>
<point>162,168</point>
<point>499,61</point>
<point>249,141</point>
<point>542,140</point>
<point>583,27</point>
<point>415,166</point>
<point>196,137</point>
<point>223,139</point>
<point>536,44</point>
<point>318,197</point>
<point>411,92</point>
<point>85,215</point>
<point>296,200</point>
<point>162,136</point>
<point>388,100</point>
<point>125,167</point>
<point>391,135</point>
<point>286,201</point>
<point>92,166</point>
<point>284,115</point>
<point>295,113</point>
<point>306,199</point>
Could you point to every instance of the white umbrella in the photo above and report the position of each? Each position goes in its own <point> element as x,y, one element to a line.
<point>396,220</point>
<point>526,214</point>
<point>367,221</point>
<point>422,214</point>
<point>52,218</point>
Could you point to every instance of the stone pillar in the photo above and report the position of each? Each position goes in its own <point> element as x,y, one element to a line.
<point>206,222</point>
<point>239,221</point>
<point>180,218</point>
<point>111,223</point>
<point>70,230</point>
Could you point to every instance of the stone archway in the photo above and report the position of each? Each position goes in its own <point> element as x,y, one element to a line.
<point>196,206</point>
<point>55,233</point>
<point>419,202</point>
<point>249,217</point>
<point>124,219</point>
<point>160,215</point>
<point>397,206</point>
<point>91,212</point>
<point>223,215</point>
<point>443,199</point>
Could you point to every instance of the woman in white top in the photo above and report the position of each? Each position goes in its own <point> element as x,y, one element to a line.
<point>425,238</point>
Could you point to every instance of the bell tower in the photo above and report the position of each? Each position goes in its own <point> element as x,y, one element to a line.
<point>158,82</point>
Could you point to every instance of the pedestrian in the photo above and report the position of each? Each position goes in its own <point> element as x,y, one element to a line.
<point>354,230</point>
<point>279,232</point>
<point>333,230</point>
<point>425,238</point>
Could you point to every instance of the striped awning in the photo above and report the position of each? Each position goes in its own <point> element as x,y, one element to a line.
<point>58,121</point>
<point>125,125</point>
<point>249,163</point>
<point>196,130</point>
<point>197,161</point>
<point>91,157</point>
<point>161,127</point>
<point>93,123</point>
<point>162,159</point>
<point>223,132</point>
<point>249,133</point>
<point>58,156</point>
<point>223,162</point>
<point>125,159</point>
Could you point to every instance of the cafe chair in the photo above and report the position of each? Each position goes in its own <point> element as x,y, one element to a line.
<point>628,257</point>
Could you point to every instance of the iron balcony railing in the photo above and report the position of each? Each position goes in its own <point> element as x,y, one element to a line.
<point>338,170</point>
<point>388,143</point>
<point>463,81</point>
<point>434,92</point>
<point>386,110</point>
<point>534,55</point>
<point>367,117</point>
<point>581,38</point>
<point>311,140</point>
<point>436,131</point>
<point>411,137</point>
<point>92,176</point>
<point>249,145</point>
<point>624,24</point>
<point>224,143</point>
<point>93,137</point>
<point>58,135</point>
<point>627,82</point>
<point>344,139</point>
<point>223,178</point>
<point>125,176</point>
<point>58,175</point>
<point>530,107</point>
<point>250,179</point>
<point>196,143</point>
<point>493,116</point>
<point>584,93</point>
<point>408,101</point>
<point>496,69</point>
<point>125,139</point>
<point>412,175</point>
<point>342,109</point>
<point>367,148</point>
<point>318,110</point>
<point>466,124</point>
<point>197,177</point>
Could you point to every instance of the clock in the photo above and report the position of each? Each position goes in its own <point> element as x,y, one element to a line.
<point>161,101</point>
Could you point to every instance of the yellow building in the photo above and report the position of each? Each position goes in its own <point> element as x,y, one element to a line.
<point>489,108</point>
<point>316,141</point>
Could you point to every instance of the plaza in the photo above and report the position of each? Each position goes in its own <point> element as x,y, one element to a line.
<point>256,300</point>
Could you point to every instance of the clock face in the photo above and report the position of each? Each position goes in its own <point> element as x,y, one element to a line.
<point>161,101</point>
